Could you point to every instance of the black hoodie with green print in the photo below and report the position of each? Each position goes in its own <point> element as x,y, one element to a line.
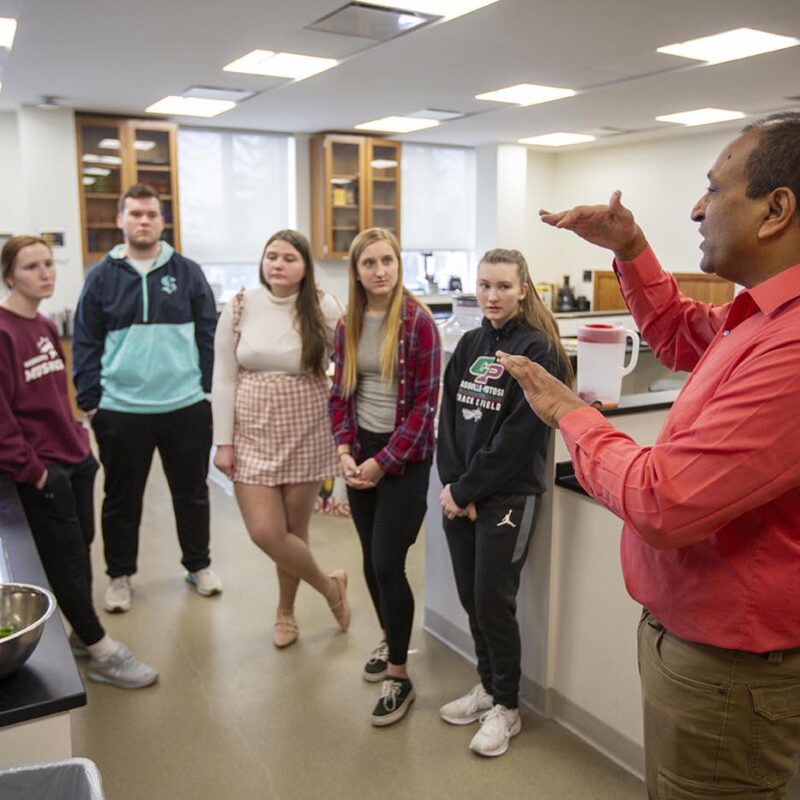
<point>490,441</point>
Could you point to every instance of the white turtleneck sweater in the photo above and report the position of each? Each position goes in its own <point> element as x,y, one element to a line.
<point>270,342</point>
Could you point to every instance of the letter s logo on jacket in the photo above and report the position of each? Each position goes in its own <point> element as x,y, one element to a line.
<point>169,284</point>
<point>486,369</point>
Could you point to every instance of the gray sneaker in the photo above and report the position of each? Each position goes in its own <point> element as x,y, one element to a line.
<point>122,669</point>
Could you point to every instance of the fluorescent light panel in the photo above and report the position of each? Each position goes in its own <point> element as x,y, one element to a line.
<point>729,46</point>
<point>8,27</point>
<point>190,106</point>
<point>558,139</point>
<point>280,65</point>
<point>397,124</point>
<point>449,9</point>
<point>526,94</point>
<point>701,116</point>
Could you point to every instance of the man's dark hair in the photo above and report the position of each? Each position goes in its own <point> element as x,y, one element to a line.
<point>139,191</point>
<point>775,160</point>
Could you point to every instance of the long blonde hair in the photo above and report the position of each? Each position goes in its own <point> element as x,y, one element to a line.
<point>357,306</point>
<point>535,314</point>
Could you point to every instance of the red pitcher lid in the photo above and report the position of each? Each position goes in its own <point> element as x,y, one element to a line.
<point>601,333</point>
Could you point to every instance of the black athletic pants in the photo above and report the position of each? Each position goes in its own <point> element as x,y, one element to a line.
<point>388,519</point>
<point>126,443</point>
<point>487,558</point>
<point>61,519</point>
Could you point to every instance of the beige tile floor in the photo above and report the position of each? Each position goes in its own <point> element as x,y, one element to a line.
<point>232,717</point>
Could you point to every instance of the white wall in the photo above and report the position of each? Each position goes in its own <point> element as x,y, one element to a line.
<point>48,193</point>
<point>660,183</point>
<point>12,202</point>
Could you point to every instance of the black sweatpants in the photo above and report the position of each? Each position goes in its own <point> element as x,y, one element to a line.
<point>388,519</point>
<point>61,519</point>
<point>126,443</point>
<point>487,557</point>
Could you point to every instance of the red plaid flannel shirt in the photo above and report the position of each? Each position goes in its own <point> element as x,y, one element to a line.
<point>419,365</point>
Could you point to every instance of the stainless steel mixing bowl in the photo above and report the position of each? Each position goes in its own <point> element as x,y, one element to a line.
<point>26,608</point>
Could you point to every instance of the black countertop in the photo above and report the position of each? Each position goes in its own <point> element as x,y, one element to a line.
<point>48,682</point>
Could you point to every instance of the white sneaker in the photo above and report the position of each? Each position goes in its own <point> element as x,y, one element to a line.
<point>205,582</point>
<point>469,708</point>
<point>122,669</point>
<point>118,595</point>
<point>497,727</point>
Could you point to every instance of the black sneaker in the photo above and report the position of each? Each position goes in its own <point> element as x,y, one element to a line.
<point>397,695</point>
<point>375,668</point>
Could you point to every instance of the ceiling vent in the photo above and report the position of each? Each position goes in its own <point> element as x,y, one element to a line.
<point>371,22</point>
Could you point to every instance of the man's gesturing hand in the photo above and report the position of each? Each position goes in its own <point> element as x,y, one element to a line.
<point>547,396</point>
<point>611,226</point>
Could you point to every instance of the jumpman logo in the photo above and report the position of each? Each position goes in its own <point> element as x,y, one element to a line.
<point>506,520</point>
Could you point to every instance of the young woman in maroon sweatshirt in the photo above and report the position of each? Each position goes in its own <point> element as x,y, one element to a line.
<point>47,454</point>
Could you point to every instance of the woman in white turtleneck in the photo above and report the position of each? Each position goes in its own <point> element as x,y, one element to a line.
<point>269,400</point>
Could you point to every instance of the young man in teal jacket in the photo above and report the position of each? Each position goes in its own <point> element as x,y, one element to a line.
<point>143,352</point>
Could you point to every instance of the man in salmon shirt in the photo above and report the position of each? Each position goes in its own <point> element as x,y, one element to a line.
<point>711,536</point>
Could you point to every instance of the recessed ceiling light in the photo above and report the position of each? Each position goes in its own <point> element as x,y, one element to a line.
<point>215,93</point>
<point>526,94</point>
<point>728,46</point>
<point>701,116</point>
<point>436,113</point>
<point>280,65</point>
<point>558,139</point>
<point>190,106</point>
<point>96,171</point>
<point>397,124</point>
<point>449,9</point>
<point>8,27</point>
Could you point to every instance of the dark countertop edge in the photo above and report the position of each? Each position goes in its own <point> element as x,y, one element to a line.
<point>565,478</point>
<point>646,401</point>
<point>49,682</point>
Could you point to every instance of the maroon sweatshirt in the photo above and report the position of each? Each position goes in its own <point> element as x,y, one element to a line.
<point>36,423</point>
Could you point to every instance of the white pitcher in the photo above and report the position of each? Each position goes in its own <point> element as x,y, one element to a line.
<point>601,361</point>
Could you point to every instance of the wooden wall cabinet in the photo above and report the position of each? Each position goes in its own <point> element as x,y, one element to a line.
<point>355,184</point>
<point>113,154</point>
<point>697,285</point>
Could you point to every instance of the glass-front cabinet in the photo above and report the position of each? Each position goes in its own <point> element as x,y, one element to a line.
<point>355,184</point>
<point>113,154</point>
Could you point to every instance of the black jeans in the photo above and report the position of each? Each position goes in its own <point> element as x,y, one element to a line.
<point>61,519</point>
<point>126,443</point>
<point>487,558</point>
<point>388,519</point>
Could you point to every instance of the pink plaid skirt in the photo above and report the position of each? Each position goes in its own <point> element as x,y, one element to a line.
<point>282,432</point>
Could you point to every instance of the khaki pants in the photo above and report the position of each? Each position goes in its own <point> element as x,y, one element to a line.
<point>717,723</point>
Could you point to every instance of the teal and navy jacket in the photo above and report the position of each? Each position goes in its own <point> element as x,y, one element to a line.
<point>144,343</point>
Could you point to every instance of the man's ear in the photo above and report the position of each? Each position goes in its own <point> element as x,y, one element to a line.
<point>781,212</point>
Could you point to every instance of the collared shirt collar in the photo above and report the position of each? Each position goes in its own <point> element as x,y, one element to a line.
<point>777,290</point>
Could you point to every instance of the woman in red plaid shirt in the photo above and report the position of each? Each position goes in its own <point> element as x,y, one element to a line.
<point>383,406</point>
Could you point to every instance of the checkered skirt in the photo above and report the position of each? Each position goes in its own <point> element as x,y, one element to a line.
<point>282,433</point>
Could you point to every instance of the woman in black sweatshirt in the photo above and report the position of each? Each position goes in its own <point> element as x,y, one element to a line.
<point>491,455</point>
